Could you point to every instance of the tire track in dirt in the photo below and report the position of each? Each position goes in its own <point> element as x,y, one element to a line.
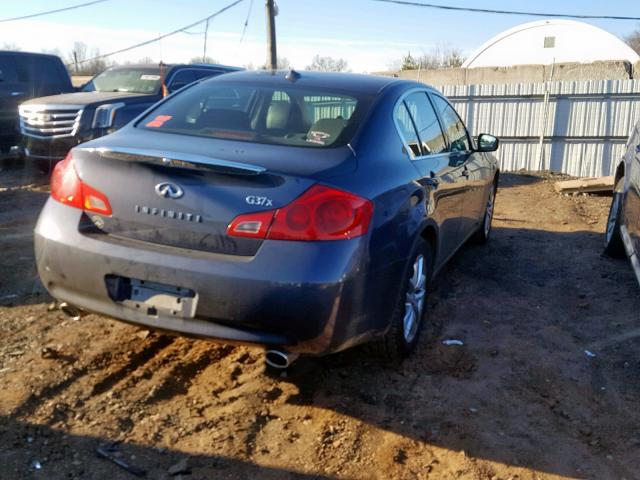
<point>35,400</point>
<point>133,363</point>
<point>180,377</point>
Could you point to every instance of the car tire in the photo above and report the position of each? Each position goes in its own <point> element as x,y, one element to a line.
<point>484,231</point>
<point>613,244</point>
<point>408,315</point>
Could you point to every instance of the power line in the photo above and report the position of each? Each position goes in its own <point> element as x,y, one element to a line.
<point>508,12</point>
<point>162,37</point>
<point>49,12</point>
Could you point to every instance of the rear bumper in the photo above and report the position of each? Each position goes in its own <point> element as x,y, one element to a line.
<point>305,297</point>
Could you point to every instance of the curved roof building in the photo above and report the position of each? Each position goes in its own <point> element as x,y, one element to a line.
<point>546,41</point>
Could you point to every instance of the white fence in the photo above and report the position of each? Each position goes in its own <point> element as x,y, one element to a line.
<point>579,128</point>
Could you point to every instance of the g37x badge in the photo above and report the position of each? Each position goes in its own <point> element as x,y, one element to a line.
<point>262,201</point>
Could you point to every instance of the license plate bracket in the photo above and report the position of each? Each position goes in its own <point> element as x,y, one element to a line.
<point>154,298</point>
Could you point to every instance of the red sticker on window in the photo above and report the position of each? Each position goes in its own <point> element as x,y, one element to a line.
<point>159,121</point>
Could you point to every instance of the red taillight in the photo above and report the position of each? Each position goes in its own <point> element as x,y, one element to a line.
<point>252,225</point>
<point>320,213</point>
<point>67,188</point>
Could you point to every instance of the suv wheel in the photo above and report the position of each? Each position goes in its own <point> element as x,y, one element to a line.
<point>407,321</point>
<point>613,245</point>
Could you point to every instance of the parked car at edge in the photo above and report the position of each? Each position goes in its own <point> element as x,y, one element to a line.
<point>52,125</point>
<point>23,76</point>
<point>303,211</point>
<point>622,237</point>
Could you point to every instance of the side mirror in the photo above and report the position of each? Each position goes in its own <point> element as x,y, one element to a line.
<point>487,143</point>
<point>1,76</point>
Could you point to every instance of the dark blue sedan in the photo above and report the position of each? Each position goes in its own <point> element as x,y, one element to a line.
<point>306,212</point>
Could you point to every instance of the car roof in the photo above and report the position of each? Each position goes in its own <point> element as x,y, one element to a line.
<point>170,66</point>
<point>356,83</point>
<point>33,54</point>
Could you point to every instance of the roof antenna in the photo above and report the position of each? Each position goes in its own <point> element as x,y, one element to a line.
<point>292,76</point>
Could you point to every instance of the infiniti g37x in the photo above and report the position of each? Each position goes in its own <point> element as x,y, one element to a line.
<point>306,212</point>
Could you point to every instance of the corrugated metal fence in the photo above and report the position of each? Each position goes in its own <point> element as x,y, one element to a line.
<point>579,128</point>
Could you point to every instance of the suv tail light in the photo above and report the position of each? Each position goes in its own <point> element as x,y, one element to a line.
<point>320,213</point>
<point>67,188</point>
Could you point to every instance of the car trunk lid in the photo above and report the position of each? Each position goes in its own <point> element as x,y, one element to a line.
<point>181,198</point>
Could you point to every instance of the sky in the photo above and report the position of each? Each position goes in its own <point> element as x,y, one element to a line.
<point>370,35</point>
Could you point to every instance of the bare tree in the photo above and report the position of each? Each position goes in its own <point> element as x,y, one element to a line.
<point>146,61</point>
<point>77,55</point>
<point>438,57</point>
<point>84,63</point>
<point>283,64</point>
<point>206,59</point>
<point>633,40</point>
<point>328,64</point>
<point>52,51</point>
<point>11,46</point>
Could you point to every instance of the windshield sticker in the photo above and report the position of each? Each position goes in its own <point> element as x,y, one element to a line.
<point>150,77</point>
<point>159,121</point>
<point>317,137</point>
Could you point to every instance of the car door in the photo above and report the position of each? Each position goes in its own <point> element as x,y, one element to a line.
<point>475,169</point>
<point>631,212</point>
<point>438,172</point>
<point>12,92</point>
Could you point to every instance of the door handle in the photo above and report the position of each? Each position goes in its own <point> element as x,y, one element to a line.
<point>16,94</point>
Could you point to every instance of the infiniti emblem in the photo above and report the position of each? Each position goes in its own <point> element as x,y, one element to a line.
<point>169,190</point>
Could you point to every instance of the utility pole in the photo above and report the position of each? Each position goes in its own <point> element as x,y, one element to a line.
<point>206,33</point>
<point>272,54</point>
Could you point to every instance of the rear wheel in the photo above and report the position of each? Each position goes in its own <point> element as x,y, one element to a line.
<point>483,233</point>
<point>613,245</point>
<point>408,316</point>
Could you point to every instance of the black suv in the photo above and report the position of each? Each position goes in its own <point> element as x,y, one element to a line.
<point>23,76</point>
<point>51,126</point>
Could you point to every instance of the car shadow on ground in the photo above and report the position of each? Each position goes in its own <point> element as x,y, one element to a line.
<point>521,391</point>
<point>39,451</point>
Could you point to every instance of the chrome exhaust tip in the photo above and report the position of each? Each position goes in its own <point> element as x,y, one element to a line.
<point>71,311</point>
<point>279,359</point>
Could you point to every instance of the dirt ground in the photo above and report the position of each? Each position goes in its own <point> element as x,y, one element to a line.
<point>520,400</point>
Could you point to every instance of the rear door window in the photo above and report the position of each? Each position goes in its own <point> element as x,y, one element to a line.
<point>453,126</point>
<point>426,122</point>
<point>8,69</point>
<point>46,70</point>
<point>407,129</point>
<point>182,78</point>
<point>206,73</point>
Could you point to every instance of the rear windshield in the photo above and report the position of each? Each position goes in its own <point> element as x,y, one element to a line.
<point>261,114</point>
<point>134,80</point>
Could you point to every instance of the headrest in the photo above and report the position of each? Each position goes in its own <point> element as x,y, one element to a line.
<point>278,115</point>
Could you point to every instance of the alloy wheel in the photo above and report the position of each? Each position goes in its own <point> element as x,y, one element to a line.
<point>489,213</point>
<point>414,302</point>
